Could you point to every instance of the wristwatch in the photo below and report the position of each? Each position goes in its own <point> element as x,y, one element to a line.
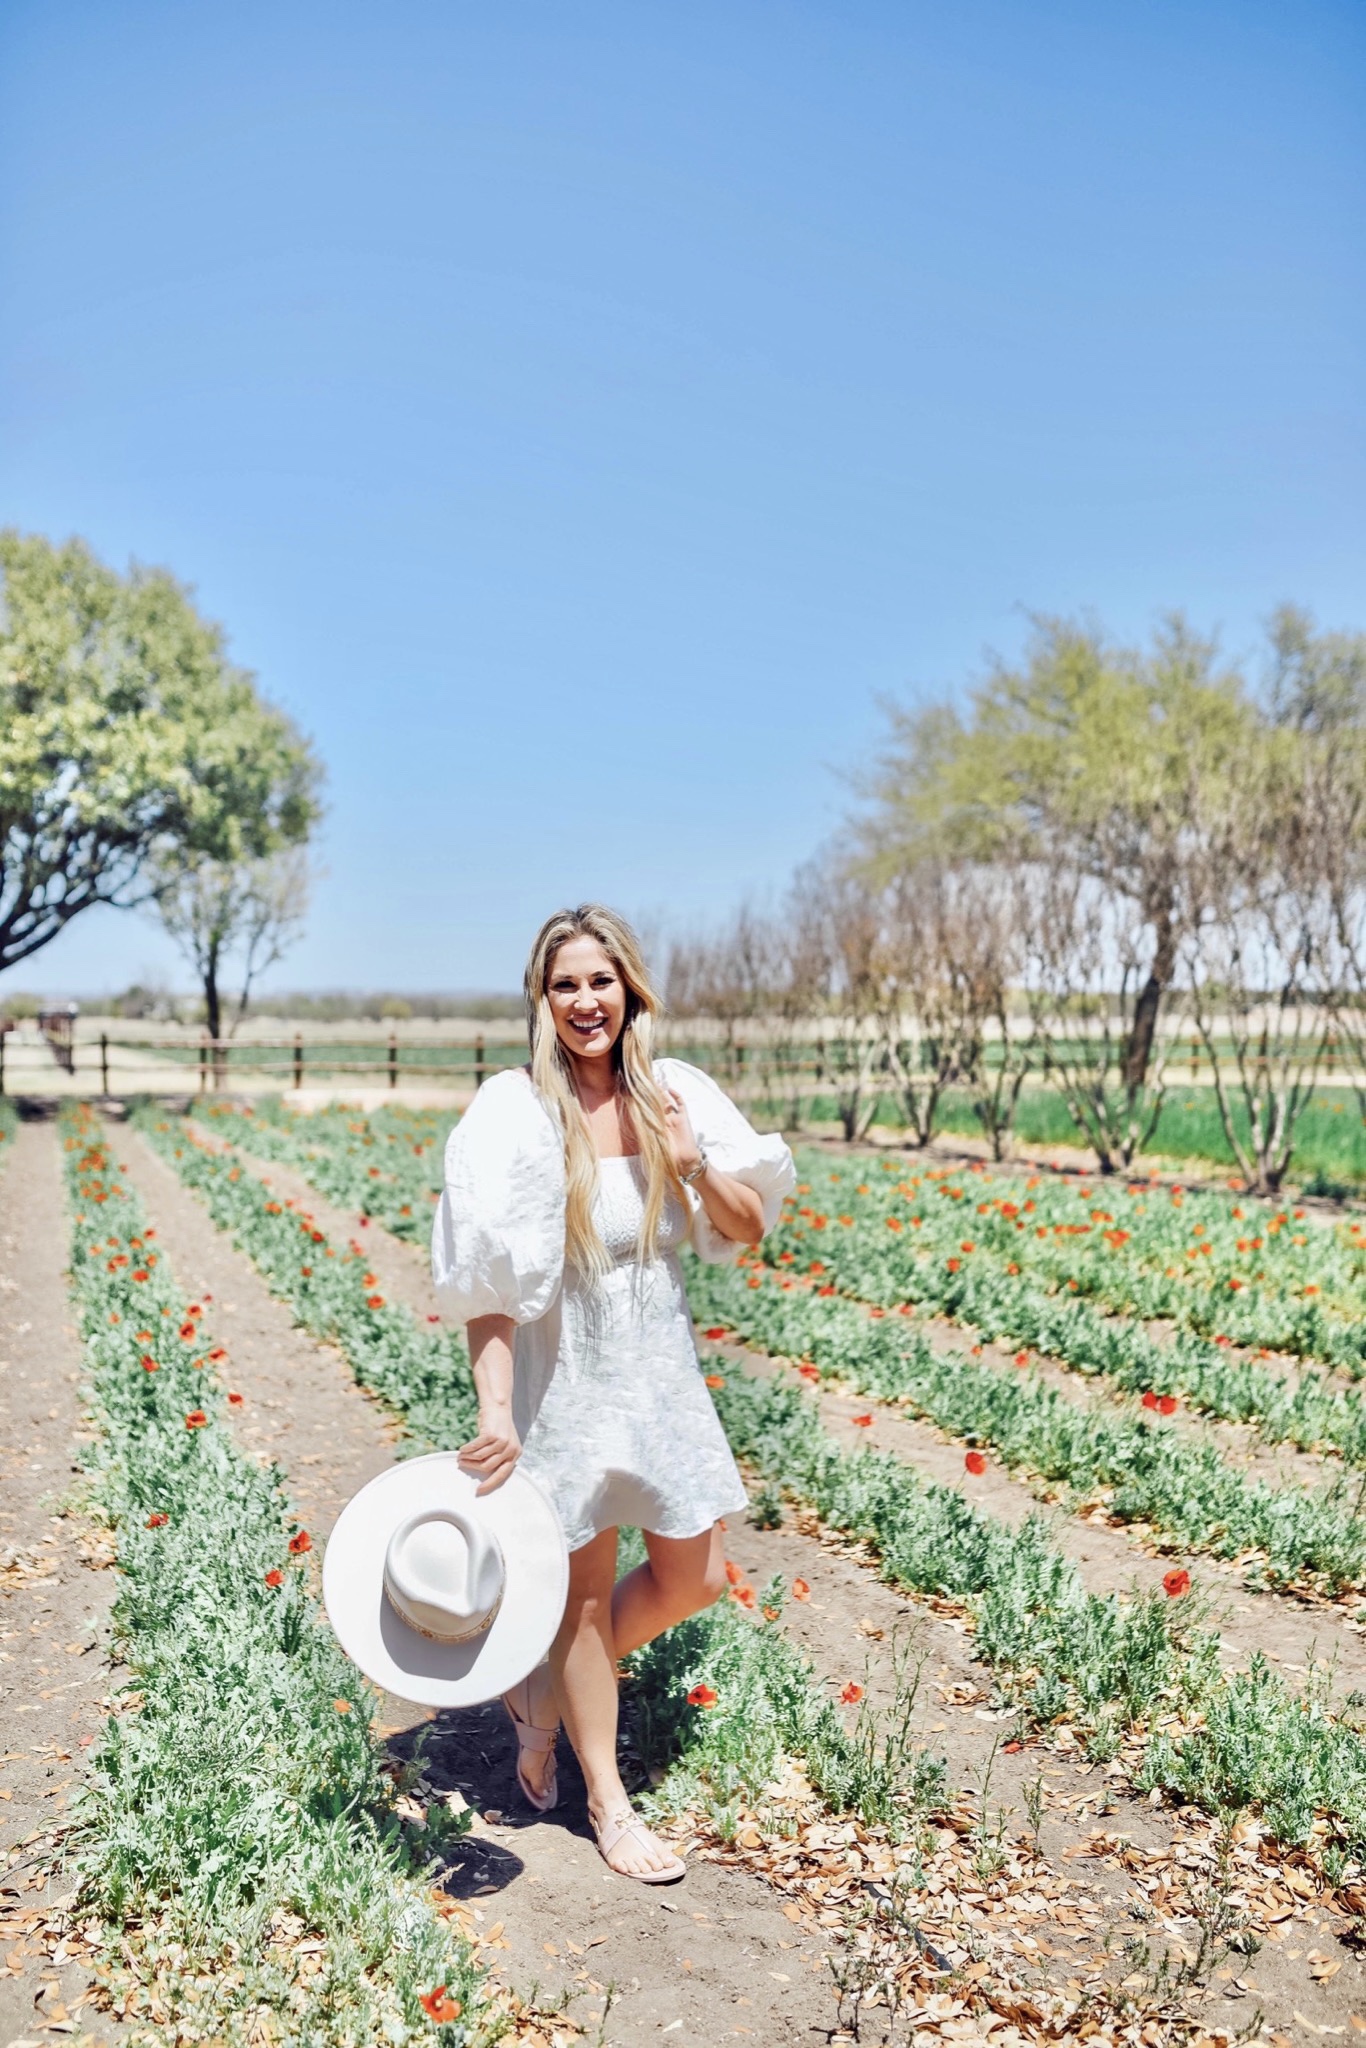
<point>702,1164</point>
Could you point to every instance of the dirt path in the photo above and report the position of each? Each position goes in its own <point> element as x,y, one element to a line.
<point>852,1622</point>
<point>54,1598</point>
<point>716,1954</point>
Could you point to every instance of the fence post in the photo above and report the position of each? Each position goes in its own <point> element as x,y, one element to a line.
<point>104,1063</point>
<point>203,1061</point>
<point>479,1069</point>
<point>298,1059</point>
<point>393,1059</point>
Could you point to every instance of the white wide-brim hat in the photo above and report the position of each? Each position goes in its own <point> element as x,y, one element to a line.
<point>441,1596</point>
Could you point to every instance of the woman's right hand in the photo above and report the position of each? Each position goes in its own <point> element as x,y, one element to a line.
<point>492,1454</point>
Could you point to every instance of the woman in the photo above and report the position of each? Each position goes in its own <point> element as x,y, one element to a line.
<point>570,1185</point>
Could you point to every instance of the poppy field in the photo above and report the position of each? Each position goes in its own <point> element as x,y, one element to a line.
<point>942,1387</point>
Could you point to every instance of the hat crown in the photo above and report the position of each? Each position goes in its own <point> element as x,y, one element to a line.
<point>444,1573</point>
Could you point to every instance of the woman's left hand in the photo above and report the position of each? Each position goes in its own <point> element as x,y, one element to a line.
<point>682,1138</point>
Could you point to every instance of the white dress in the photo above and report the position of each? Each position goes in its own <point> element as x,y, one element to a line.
<point>608,1397</point>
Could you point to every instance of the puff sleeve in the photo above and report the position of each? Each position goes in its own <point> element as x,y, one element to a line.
<point>498,1232</point>
<point>763,1163</point>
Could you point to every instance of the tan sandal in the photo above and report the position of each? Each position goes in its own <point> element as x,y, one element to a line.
<point>537,1741</point>
<point>614,1829</point>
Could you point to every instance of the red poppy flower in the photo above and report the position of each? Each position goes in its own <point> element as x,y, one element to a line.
<point>862,1421</point>
<point>715,1336</point>
<point>1011,1748</point>
<point>967,1245</point>
<point>800,1590</point>
<point>188,1332</point>
<point>196,1419</point>
<point>734,1574</point>
<point>194,1309</point>
<point>825,1290</point>
<point>342,1706</point>
<point>235,1400</point>
<point>743,1596</point>
<point>275,1578</point>
<point>374,1301</point>
<point>299,1543</point>
<point>150,1365</point>
<point>1176,1583</point>
<point>702,1696</point>
<point>851,1693</point>
<point>433,1319</point>
<point>1150,1400</point>
<point>716,1379</point>
<point>1167,1404</point>
<point>953,1264</point>
<point>144,1337</point>
<point>975,1463</point>
<point>809,1372</point>
<point>217,1353</point>
<point>438,2007</point>
<point>157,1521</point>
<point>306,1272</point>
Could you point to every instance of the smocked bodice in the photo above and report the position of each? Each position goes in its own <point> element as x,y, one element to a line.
<point>619,1209</point>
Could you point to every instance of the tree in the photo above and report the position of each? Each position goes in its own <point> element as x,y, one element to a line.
<point>1090,956</point>
<point>125,733</point>
<point>1103,751</point>
<point>951,951</point>
<point>250,911</point>
<point>1258,953</point>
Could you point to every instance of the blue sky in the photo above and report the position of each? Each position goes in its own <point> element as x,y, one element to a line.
<point>580,415</point>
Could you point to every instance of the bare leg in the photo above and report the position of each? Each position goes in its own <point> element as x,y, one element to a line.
<point>583,1661</point>
<point>682,1575</point>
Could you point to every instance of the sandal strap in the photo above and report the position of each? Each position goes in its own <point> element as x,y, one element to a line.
<point>529,1736</point>
<point>616,1827</point>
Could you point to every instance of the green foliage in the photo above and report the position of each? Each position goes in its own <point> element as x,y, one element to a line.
<point>423,1375</point>
<point>722,1758</point>
<point>236,1800</point>
<point>1104,743</point>
<point>387,1165</point>
<point>124,729</point>
<point>1116,1667</point>
<point>768,1705</point>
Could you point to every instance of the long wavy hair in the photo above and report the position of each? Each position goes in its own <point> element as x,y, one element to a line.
<point>633,1066</point>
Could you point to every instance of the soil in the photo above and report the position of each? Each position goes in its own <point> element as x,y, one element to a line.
<point>55,1594</point>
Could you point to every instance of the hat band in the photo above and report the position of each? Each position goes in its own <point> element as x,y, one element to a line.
<point>467,1635</point>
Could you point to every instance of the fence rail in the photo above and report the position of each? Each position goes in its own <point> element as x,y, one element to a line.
<point>791,1069</point>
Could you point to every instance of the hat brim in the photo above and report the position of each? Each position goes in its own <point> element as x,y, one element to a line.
<point>399,1658</point>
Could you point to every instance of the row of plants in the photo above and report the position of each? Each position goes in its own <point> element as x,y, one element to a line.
<point>1004,1304</point>
<point>236,1833</point>
<point>420,1372</point>
<point>1142,1669</point>
<point>721,1750</point>
<point>1176,1482</point>
<point>386,1165</point>
<point>1261,1277</point>
<point>9,1126</point>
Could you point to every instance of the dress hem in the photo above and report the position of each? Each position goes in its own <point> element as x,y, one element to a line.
<point>668,1535</point>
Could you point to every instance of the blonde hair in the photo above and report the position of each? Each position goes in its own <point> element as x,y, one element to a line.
<point>633,1067</point>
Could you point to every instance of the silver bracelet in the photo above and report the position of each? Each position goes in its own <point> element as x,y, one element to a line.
<point>702,1164</point>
